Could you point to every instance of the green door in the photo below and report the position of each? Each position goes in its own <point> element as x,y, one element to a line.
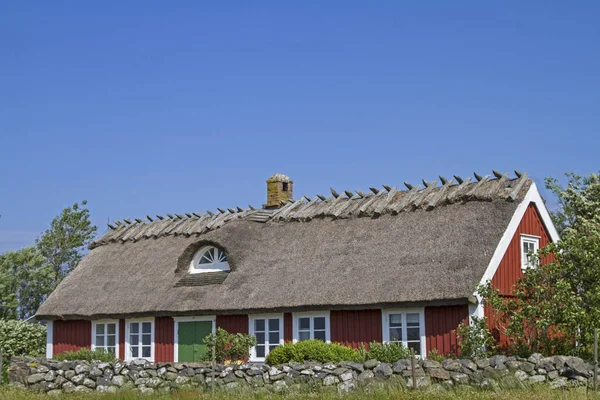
<point>189,339</point>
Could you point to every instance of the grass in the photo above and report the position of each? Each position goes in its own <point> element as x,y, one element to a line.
<point>538,393</point>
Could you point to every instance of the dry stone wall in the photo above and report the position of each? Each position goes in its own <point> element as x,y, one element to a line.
<point>495,373</point>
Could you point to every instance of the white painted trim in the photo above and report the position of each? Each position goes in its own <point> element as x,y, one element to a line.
<point>311,315</point>
<point>251,319</point>
<point>532,196</point>
<point>385,324</point>
<point>106,321</point>
<point>127,344</point>
<point>49,339</point>
<point>177,320</point>
<point>196,268</point>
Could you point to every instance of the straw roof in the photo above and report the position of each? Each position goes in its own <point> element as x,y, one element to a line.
<point>348,250</point>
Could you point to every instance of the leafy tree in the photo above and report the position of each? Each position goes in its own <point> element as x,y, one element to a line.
<point>475,338</point>
<point>556,305</point>
<point>63,245</point>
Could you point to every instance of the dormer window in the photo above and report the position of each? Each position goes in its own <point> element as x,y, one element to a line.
<point>529,248</point>
<point>209,259</point>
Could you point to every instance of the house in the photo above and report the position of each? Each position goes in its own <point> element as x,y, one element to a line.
<point>352,267</point>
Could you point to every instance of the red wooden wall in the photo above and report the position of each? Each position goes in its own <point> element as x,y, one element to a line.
<point>509,270</point>
<point>121,339</point>
<point>71,336</point>
<point>351,328</point>
<point>164,339</point>
<point>439,324</point>
<point>288,327</point>
<point>233,323</point>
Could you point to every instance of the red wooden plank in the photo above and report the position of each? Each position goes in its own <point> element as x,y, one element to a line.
<point>71,335</point>
<point>233,323</point>
<point>352,328</point>
<point>439,325</point>
<point>164,339</point>
<point>121,339</point>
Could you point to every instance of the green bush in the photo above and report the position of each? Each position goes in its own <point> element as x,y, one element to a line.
<point>18,338</point>
<point>86,355</point>
<point>387,352</point>
<point>229,346</point>
<point>312,350</point>
<point>475,339</point>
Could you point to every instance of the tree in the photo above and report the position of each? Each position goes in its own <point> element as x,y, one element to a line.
<point>24,282</point>
<point>557,304</point>
<point>63,245</point>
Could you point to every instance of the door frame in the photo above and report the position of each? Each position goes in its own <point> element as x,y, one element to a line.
<point>177,320</point>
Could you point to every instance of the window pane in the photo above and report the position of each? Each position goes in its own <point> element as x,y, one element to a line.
<point>274,324</point>
<point>412,334</point>
<point>260,351</point>
<point>319,323</point>
<point>305,335</point>
<point>395,319</point>
<point>99,329</point>
<point>271,348</point>
<point>222,256</point>
<point>395,334</point>
<point>259,325</point>
<point>110,340</point>
<point>273,337</point>
<point>134,340</point>
<point>134,352</point>
<point>146,327</point>
<point>134,327</point>
<point>416,346</point>
<point>110,329</point>
<point>146,352</point>
<point>146,340</point>
<point>412,319</point>
<point>110,349</point>
<point>320,335</point>
<point>303,323</point>
<point>260,337</point>
<point>99,341</point>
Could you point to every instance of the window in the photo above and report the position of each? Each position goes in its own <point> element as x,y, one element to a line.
<point>311,326</point>
<point>140,339</point>
<point>268,330</point>
<point>406,327</point>
<point>209,259</point>
<point>105,335</point>
<point>529,247</point>
<point>285,186</point>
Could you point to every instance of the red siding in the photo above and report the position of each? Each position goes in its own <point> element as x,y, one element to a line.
<point>233,323</point>
<point>352,328</point>
<point>164,338</point>
<point>71,336</point>
<point>121,339</point>
<point>288,330</point>
<point>509,270</point>
<point>439,324</point>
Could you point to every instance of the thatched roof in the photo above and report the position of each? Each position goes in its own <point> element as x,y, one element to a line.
<point>355,250</point>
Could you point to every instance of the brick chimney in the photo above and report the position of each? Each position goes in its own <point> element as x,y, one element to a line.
<point>279,187</point>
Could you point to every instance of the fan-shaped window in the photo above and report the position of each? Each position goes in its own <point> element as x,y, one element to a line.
<point>209,259</point>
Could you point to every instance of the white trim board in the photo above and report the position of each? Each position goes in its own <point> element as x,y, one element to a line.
<point>177,320</point>
<point>49,339</point>
<point>532,196</point>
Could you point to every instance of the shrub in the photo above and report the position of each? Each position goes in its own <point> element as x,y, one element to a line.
<point>312,350</point>
<point>434,355</point>
<point>475,338</point>
<point>18,338</point>
<point>86,355</point>
<point>387,352</point>
<point>228,346</point>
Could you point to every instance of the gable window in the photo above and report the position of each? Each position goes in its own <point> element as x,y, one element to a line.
<point>529,246</point>
<point>209,259</point>
<point>406,327</point>
<point>140,339</point>
<point>105,336</point>
<point>268,330</point>
<point>311,326</point>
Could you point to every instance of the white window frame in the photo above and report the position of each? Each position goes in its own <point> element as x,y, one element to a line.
<point>196,268</point>
<point>536,245</point>
<point>104,322</point>
<point>385,316</point>
<point>177,320</point>
<point>127,338</point>
<point>311,315</point>
<point>251,319</point>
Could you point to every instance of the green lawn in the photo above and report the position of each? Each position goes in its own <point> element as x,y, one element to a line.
<point>532,394</point>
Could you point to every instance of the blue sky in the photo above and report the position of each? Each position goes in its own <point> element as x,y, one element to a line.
<point>154,107</point>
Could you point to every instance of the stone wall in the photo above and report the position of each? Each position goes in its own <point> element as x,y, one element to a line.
<point>495,373</point>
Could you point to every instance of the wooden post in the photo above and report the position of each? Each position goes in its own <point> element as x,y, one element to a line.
<point>595,359</point>
<point>412,366</point>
